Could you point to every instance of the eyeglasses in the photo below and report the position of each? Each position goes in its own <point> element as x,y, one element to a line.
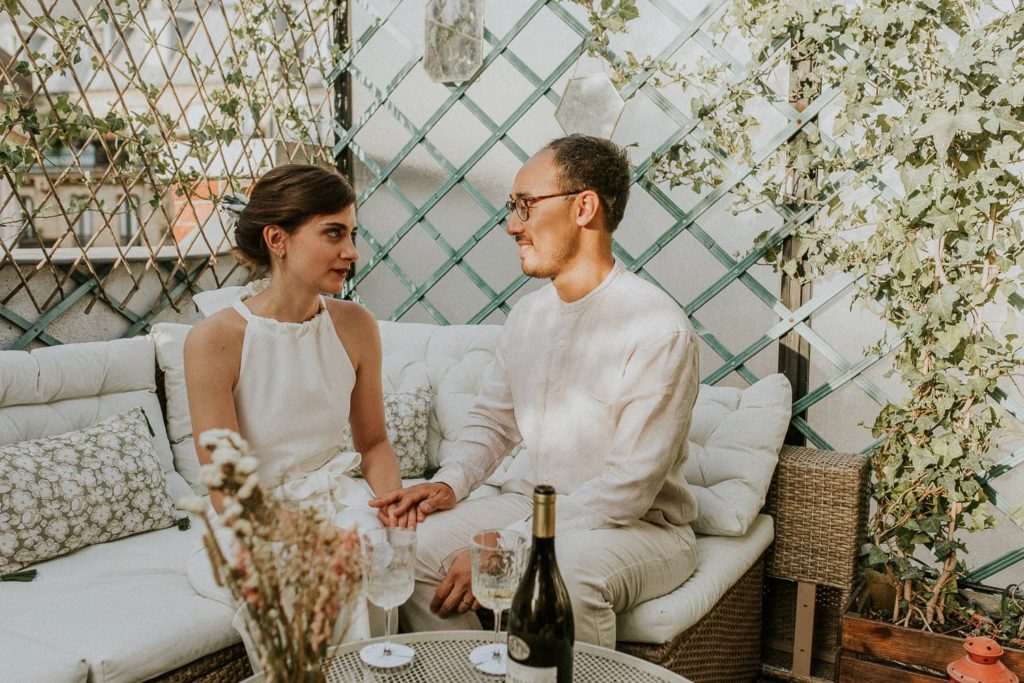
<point>521,205</point>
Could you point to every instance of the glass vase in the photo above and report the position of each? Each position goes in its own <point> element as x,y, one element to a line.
<point>453,35</point>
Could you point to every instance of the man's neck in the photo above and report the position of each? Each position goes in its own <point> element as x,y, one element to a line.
<point>582,277</point>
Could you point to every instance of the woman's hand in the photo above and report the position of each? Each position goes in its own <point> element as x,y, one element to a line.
<point>388,517</point>
<point>418,501</point>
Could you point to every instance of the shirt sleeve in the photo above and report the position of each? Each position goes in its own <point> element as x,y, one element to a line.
<point>657,393</point>
<point>490,432</point>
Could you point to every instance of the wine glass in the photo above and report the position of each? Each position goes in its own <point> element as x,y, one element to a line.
<point>498,557</point>
<point>389,565</point>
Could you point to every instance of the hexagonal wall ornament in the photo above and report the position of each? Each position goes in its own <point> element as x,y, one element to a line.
<point>453,34</point>
<point>590,105</point>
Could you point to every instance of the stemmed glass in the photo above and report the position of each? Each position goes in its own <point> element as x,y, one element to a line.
<point>389,565</point>
<point>498,557</point>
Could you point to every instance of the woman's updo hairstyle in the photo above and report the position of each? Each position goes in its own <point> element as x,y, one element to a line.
<point>287,196</point>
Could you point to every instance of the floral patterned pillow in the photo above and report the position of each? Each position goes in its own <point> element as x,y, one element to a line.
<point>406,415</point>
<point>68,491</point>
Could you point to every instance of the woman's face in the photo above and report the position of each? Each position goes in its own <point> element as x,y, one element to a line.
<point>321,251</point>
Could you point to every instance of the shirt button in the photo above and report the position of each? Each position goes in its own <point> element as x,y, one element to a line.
<point>561,343</point>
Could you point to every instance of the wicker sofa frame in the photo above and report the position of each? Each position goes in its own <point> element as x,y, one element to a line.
<point>818,500</point>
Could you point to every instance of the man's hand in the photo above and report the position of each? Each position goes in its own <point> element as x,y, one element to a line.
<point>418,501</point>
<point>455,593</point>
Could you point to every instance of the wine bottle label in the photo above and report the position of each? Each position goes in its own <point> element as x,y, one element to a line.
<point>520,673</point>
<point>518,648</point>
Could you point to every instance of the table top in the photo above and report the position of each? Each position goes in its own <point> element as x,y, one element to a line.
<point>443,657</point>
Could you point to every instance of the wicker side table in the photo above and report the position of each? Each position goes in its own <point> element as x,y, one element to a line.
<point>443,657</point>
<point>819,500</point>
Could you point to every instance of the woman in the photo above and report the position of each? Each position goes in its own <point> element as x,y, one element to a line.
<point>287,367</point>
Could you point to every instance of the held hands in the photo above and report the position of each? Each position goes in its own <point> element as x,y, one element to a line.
<point>413,503</point>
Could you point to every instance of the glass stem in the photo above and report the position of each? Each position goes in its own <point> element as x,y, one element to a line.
<point>497,632</point>
<point>387,631</point>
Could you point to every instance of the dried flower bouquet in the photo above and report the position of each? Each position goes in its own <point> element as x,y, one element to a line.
<point>291,572</point>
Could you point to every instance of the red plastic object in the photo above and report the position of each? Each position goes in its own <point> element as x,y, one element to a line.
<point>981,663</point>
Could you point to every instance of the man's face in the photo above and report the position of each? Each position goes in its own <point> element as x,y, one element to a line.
<point>549,239</point>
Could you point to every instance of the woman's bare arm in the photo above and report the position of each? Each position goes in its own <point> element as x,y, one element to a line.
<point>213,353</point>
<point>359,332</point>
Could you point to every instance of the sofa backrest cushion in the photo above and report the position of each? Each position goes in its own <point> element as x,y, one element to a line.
<point>735,435</point>
<point>453,359</point>
<point>169,339</point>
<point>65,388</point>
<point>735,438</point>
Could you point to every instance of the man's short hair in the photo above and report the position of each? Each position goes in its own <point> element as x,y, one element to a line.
<point>589,163</point>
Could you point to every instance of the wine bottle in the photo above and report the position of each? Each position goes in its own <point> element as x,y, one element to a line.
<point>540,626</point>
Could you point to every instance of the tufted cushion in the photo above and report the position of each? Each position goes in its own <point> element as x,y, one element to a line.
<point>723,561</point>
<point>65,388</point>
<point>41,662</point>
<point>127,608</point>
<point>735,439</point>
<point>454,359</point>
<point>169,339</point>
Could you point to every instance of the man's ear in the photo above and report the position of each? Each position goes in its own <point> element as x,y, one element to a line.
<point>588,209</point>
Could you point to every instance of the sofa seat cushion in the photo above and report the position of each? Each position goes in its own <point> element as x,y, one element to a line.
<point>125,607</point>
<point>39,662</point>
<point>723,560</point>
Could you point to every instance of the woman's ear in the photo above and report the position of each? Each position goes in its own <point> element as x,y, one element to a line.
<point>275,238</point>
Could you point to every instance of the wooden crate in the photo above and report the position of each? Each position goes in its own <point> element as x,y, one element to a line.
<point>878,652</point>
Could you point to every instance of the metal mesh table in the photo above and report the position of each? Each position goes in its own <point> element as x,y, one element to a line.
<point>443,657</point>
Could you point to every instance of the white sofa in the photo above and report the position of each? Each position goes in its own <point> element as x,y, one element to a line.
<point>125,610</point>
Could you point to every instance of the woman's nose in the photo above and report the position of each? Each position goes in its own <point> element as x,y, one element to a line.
<point>349,251</point>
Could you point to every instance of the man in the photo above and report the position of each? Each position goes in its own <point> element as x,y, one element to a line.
<point>596,374</point>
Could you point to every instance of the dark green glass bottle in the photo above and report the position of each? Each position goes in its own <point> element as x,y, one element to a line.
<point>540,626</point>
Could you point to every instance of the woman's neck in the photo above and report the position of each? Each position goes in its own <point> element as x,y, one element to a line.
<point>285,302</point>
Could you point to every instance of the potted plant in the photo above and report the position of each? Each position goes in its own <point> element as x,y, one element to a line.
<point>911,185</point>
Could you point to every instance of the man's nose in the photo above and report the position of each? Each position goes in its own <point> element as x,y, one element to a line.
<point>513,224</point>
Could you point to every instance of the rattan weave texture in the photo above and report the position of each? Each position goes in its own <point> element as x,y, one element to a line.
<point>819,502</point>
<point>724,646</point>
<point>229,665</point>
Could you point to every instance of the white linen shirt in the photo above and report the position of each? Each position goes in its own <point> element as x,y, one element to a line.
<point>600,391</point>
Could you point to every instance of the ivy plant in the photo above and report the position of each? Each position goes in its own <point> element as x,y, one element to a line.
<point>908,151</point>
<point>253,92</point>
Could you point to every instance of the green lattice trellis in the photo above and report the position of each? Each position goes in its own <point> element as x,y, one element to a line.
<point>179,275</point>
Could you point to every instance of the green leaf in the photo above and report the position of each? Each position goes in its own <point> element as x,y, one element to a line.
<point>940,127</point>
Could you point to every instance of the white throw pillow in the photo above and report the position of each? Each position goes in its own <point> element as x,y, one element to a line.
<point>735,438</point>
<point>170,356</point>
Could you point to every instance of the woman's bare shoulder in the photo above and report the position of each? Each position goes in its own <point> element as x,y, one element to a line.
<point>352,317</point>
<point>221,333</point>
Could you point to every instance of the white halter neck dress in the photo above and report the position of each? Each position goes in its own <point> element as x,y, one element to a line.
<point>292,402</point>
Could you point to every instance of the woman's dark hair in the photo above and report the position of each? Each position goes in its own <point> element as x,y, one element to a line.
<point>288,196</point>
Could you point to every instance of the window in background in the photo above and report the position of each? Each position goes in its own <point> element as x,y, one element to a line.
<point>83,227</point>
<point>129,210</point>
